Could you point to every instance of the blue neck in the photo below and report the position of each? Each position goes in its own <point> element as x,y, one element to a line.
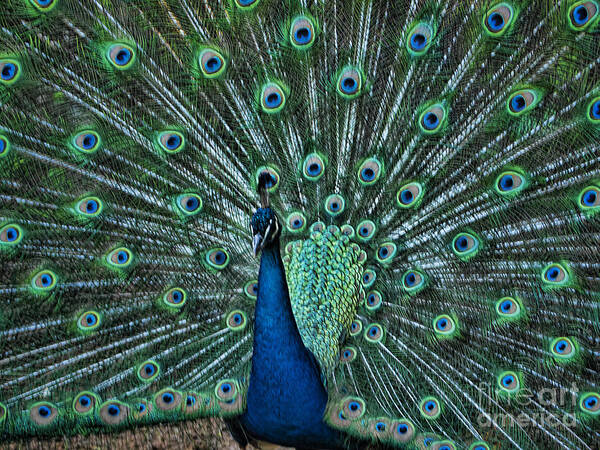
<point>286,398</point>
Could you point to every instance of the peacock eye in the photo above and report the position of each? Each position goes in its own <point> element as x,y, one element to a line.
<point>251,289</point>
<point>246,4</point>
<point>510,183</point>
<point>353,407</point>
<point>89,206</point>
<point>121,56</point>
<point>444,326</point>
<point>84,402</point>
<point>430,408</point>
<point>87,141</point>
<point>594,110</point>
<point>413,281</point>
<point>10,234</point>
<point>555,275</point>
<point>88,321</point>
<point>369,171</point>
<point>347,354</point>
<point>465,245</point>
<point>590,403</point>
<point>373,300</point>
<point>4,146</point>
<point>44,281</point>
<point>236,320</point>
<point>403,430</point>
<point>43,413</point>
<point>113,412</point>
<point>226,390</point>
<point>334,205</point>
<point>589,198</point>
<point>522,101</point>
<point>313,167</point>
<point>374,333</point>
<point>419,39</point>
<point>120,258</point>
<point>10,71</point>
<point>189,204</point>
<point>410,195</point>
<point>356,327</point>
<point>171,141</point>
<point>296,222</point>
<point>43,5</point>
<point>212,63</point>
<point>272,98</point>
<point>508,307</point>
<point>432,119</point>
<point>148,371</point>
<point>498,19</point>
<point>366,230</point>
<point>582,13</point>
<point>217,258</point>
<point>175,297</point>
<point>168,399</point>
<point>349,83</point>
<point>563,349</point>
<point>368,278</point>
<point>302,33</point>
<point>509,382</point>
<point>271,175</point>
<point>386,252</point>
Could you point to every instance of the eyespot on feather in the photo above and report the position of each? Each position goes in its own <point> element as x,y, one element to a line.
<point>302,32</point>
<point>89,207</point>
<point>430,408</point>
<point>217,258</point>
<point>43,413</point>
<point>410,195</point>
<point>498,19</point>
<point>212,63</point>
<point>4,146</point>
<point>583,14</point>
<point>10,71</point>
<point>272,98</point>
<point>334,205</point>
<point>44,281</point>
<point>167,399</point>
<point>419,39</point>
<point>119,258</point>
<point>236,320</point>
<point>170,141</point>
<point>11,234</point>
<point>349,83</point>
<point>44,6</point>
<point>113,412</point>
<point>432,119</point>
<point>369,171</point>
<point>403,430</point>
<point>120,55</point>
<point>88,321</point>
<point>189,204</point>
<point>86,141</point>
<point>148,371</point>
<point>85,403</point>
<point>175,297</point>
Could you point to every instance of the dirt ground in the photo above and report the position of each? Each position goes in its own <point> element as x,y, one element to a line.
<point>201,434</point>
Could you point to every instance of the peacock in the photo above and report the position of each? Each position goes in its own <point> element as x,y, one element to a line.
<point>332,223</point>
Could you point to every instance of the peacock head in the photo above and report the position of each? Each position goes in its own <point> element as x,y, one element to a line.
<point>266,229</point>
<point>265,225</point>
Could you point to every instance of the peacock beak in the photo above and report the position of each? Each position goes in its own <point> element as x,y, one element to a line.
<point>257,243</point>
